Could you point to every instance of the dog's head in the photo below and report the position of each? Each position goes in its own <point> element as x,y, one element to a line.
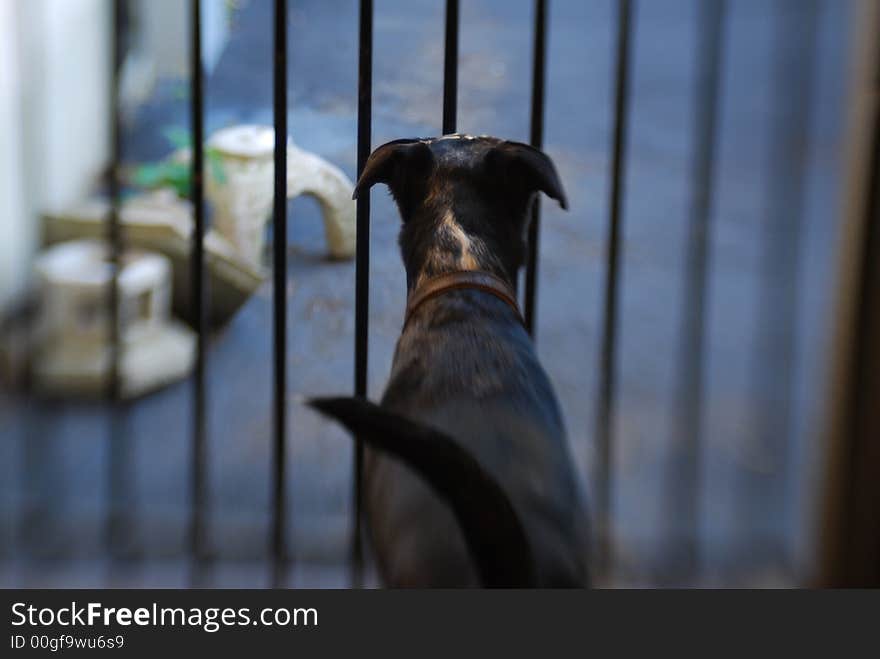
<point>464,200</point>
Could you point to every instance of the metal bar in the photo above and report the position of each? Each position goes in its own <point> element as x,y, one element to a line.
<point>605,406</point>
<point>776,339</point>
<point>685,483</point>
<point>848,535</point>
<point>536,138</point>
<point>450,68</point>
<point>116,462</point>
<point>279,218</point>
<point>197,266</point>
<point>859,559</point>
<point>113,231</point>
<point>362,266</point>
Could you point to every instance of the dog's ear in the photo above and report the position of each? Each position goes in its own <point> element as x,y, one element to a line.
<point>527,168</point>
<point>397,164</point>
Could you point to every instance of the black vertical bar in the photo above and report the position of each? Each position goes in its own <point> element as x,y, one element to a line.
<point>605,408</point>
<point>858,552</point>
<point>113,234</point>
<point>776,340</point>
<point>450,68</point>
<point>362,264</point>
<point>848,534</point>
<point>116,462</point>
<point>279,218</point>
<point>537,140</point>
<point>685,482</point>
<point>197,266</point>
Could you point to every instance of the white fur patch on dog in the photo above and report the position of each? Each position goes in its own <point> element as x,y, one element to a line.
<point>466,261</point>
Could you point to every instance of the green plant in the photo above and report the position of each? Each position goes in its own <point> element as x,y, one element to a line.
<point>175,173</point>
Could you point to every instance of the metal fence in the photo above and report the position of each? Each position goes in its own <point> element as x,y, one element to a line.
<point>795,38</point>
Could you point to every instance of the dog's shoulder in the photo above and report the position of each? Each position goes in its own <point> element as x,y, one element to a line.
<point>468,343</point>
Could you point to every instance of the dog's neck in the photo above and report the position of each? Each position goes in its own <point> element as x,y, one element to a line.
<point>448,243</point>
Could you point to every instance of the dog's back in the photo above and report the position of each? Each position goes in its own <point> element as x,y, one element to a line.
<point>480,488</point>
<point>468,369</point>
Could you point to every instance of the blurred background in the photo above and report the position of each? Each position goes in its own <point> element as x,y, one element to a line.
<point>740,340</point>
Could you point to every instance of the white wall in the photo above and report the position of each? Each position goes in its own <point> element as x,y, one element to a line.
<point>12,225</point>
<point>54,118</point>
<point>55,64</point>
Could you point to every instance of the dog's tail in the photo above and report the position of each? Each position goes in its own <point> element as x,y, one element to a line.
<point>492,529</point>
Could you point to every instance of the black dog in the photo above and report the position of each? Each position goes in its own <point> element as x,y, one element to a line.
<point>481,489</point>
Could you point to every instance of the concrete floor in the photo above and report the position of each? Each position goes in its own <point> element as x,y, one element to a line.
<point>54,456</point>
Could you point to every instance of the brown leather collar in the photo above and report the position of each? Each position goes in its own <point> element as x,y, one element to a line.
<point>479,280</point>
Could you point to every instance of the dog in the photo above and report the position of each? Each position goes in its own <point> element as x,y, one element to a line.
<point>468,480</point>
